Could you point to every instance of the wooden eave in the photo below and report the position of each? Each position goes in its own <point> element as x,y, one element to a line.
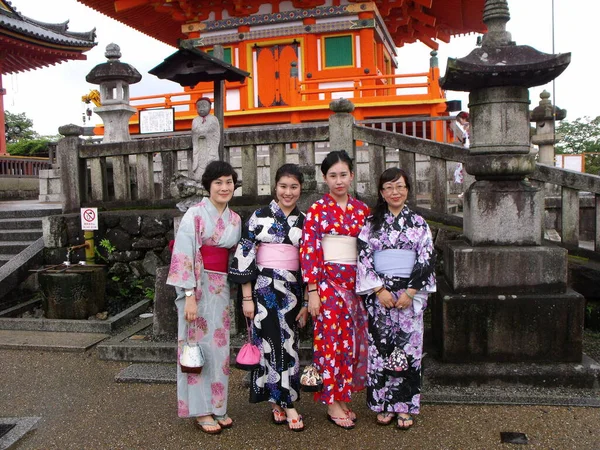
<point>27,44</point>
<point>406,20</point>
<point>18,55</point>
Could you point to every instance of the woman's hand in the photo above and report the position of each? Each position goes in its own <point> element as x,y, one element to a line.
<point>404,301</point>
<point>386,298</point>
<point>248,308</point>
<point>190,310</point>
<point>302,316</point>
<point>314,303</point>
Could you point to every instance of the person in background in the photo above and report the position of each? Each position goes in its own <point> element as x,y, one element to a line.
<point>328,260</point>
<point>396,272</point>
<point>198,271</point>
<point>462,134</point>
<point>267,265</point>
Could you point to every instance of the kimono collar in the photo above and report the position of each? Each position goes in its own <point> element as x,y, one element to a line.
<point>351,200</point>
<point>278,212</point>
<point>403,211</point>
<point>213,211</point>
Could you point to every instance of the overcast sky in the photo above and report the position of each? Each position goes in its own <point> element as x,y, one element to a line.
<point>51,97</point>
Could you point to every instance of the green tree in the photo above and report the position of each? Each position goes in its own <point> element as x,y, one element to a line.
<point>18,127</point>
<point>581,136</point>
<point>22,139</point>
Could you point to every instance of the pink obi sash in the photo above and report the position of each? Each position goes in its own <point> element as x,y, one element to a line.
<point>278,256</point>
<point>216,259</point>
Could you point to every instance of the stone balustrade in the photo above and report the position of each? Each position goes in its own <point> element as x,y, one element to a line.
<point>102,173</point>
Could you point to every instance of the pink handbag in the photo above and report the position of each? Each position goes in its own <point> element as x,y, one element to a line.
<point>248,357</point>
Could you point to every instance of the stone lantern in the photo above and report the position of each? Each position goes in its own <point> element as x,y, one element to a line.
<point>545,116</point>
<point>114,78</point>
<point>504,295</point>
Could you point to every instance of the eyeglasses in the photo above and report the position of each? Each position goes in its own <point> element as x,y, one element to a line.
<point>394,187</point>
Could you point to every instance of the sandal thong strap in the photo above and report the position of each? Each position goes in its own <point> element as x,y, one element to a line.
<point>404,421</point>
<point>208,423</point>
<point>223,417</point>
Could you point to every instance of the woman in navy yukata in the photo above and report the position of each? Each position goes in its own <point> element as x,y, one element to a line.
<point>267,265</point>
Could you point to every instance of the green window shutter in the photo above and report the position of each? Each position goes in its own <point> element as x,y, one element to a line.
<point>338,51</point>
<point>226,54</point>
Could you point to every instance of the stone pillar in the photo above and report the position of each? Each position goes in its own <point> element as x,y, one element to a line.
<point>2,131</point>
<point>72,168</point>
<point>504,295</point>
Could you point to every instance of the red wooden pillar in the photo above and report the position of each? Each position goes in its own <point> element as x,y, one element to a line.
<point>2,124</point>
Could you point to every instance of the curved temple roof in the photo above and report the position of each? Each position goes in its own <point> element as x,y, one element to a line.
<point>407,20</point>
<point>30,44</point>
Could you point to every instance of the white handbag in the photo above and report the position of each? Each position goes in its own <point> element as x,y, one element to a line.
<point>191,359</point>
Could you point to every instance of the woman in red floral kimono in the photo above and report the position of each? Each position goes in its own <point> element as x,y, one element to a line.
<point>328,262</point>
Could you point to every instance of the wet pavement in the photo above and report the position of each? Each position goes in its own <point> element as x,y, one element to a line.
<point>82,407</point>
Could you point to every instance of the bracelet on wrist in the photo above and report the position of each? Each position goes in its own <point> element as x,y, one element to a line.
<point>411,296</point>
<point>247,299</point>
<point>312,290</point>
<point>377,292</point>
<point>304,304</point>
<point>246,296</point>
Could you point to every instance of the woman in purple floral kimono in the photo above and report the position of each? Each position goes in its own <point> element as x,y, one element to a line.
<point>198,270</point>
<point>396,272</point>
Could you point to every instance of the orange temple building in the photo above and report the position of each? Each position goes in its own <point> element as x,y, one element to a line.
<point>303,53</point>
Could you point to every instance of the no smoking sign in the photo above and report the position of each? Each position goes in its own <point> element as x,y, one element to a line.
<point>89,218</point>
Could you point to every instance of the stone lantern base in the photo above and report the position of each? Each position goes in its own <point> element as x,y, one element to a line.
<point>509,327</point>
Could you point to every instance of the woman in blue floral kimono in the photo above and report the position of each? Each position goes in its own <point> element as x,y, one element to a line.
<point>267,265</point>
<point>396,271</point>
<point>198,270</point>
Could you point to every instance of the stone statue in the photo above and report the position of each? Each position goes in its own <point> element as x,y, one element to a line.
<point>206,134</point>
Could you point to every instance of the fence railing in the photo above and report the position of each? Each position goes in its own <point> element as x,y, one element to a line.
<point>22,166</point>
<point>259,151</point>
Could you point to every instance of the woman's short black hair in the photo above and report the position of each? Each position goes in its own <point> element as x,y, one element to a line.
<point>333,158</point>
<point>290,170</point>
<point>217,169</point>
<point>381,207</point>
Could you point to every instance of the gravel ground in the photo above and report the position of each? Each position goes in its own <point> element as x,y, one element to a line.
<point>83,408</point>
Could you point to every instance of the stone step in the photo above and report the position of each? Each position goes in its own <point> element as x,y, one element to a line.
<point>28,213</point>
<point>20,235</point>
<point>22,223</point>
<point>4,259</point>
<point>49,341</point>
<point>14,247</point>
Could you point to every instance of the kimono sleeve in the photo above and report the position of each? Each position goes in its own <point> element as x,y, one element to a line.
<point>182,270</point>
<point>422,277</point>
<point>366,277</point>
<point>311,253</point>
<point>243,268</point>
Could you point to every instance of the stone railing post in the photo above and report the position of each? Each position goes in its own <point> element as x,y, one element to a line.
<point>71,173</point>
<point>341,133</point>
<point>341,129</point>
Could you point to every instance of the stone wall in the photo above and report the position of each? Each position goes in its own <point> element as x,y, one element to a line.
<point>18,188</point>
<point>140,240</point>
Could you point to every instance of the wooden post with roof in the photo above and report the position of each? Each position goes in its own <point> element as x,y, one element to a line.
<point>28,44</point>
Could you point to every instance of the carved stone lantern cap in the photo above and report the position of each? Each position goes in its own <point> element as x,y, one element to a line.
<point>113,69</point>
<point>546,111</point>
<point>499,61</point>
